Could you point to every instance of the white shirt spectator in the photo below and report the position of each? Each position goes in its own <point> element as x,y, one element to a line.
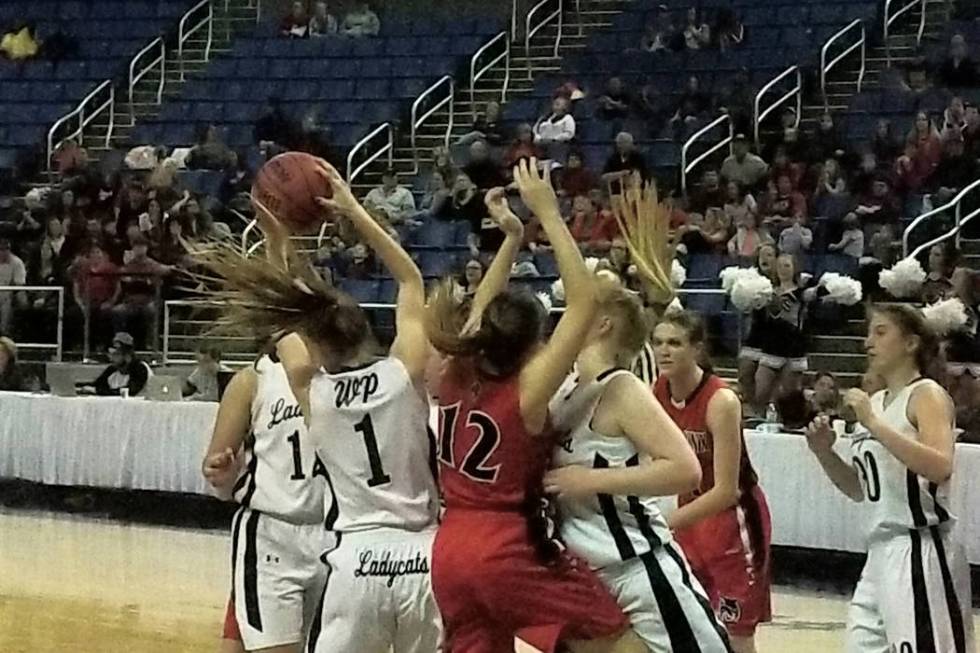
<point>851,243</point>
<point>361,23</point>
<point>554,129</point>
<point>747,172</point>
<point>13,272</point>
<point>795,240</point>
<point>398,203</point>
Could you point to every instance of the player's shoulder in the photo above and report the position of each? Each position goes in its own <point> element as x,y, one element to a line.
<point>723,399</point>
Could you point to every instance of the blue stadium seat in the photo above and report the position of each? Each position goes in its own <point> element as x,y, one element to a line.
<point>363,290</point>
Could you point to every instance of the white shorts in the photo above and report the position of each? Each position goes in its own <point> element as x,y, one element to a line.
<point>913,597</point>
<point>278,577</point>
<point>666,605</point>
<point>379,595</point>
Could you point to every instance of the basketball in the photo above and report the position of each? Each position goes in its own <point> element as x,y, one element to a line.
<point>288,185</point>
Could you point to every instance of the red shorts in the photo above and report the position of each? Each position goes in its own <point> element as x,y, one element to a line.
<point>230,629</point>
<point>729,553</point>
<point>491,587</point>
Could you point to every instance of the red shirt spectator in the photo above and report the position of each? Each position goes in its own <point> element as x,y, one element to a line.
<point>592,227</point>
<point>96,278</point>
<point>523,146</point>
<point>575,178</point>
<point>928,146</point>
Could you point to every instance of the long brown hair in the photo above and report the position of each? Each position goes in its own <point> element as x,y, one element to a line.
<point>511,325</point>
<point>268,300</point>
<point>911,322</point>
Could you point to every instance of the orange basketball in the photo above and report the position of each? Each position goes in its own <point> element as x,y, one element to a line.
<point>288,185</point>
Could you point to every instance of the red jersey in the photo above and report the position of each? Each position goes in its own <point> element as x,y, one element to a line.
<point>487,459</point>
<point>692,417</point>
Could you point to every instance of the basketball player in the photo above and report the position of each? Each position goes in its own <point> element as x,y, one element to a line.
<point>605,491</point>
<point>914,592</point>
<point>282,528</point>
<point>496,573</point>
<point>723,526</point>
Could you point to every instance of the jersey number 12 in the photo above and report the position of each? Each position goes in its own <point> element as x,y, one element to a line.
<point>474,462</point>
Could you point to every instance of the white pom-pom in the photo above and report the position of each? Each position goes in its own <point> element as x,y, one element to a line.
<point>805,279</point>
<point>545,300</point>
<point>558,291</point>
<point>678,275</point>
<point>751,292</point>
<point>732,274</point>
<point>841,289</point>
<point>674,306</point>
<point>946,316</point>
<point>591,262</point>
<point>904,279</point>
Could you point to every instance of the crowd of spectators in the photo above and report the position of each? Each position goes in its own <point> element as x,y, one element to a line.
<point>301,23</point>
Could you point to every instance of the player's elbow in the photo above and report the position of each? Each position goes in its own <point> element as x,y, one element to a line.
<point>689,476</point>
<point>942,470</point>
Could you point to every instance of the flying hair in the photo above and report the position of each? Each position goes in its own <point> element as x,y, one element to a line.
<point>644,222</point>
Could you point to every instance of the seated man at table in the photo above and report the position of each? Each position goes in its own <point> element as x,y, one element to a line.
<point>125,372</point>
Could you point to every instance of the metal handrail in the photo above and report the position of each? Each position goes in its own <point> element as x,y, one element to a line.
<point>826,67</point>
<point>686,167</point>
<point>417,121</point>
<point>797,91</point>
<point>389,149</point>
<point>888,18</point>
<point>84,120</point>
<point>183,33</point>
<point>58,345</point>
<point>135,77</point>
<point>476,75</point>
<point>955,204</point>
<point>529,32</point>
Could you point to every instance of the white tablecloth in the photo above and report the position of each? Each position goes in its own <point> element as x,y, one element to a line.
<point>105,442</point>
<point>808,511</point>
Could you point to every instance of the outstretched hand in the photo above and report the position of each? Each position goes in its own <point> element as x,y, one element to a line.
<point>536,189</point>
<point>499,209</point>
<point>343,201</point>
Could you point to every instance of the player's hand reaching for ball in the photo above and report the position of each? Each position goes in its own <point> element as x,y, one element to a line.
<point>221,469</point>
<point>820,436</point>
<point>571,482</point>
<point>536,190</point>
<point>343,201</point>
<point>499,209</point>
<point>858,400</point>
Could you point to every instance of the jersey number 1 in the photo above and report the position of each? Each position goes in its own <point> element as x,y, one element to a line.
<point>366,428</point>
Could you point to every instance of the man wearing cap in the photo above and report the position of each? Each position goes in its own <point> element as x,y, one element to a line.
<point>742,166</point>
<point>12,273</point>
<point>126,371</point>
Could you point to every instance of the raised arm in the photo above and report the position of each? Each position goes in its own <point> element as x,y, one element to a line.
<point>542,376</point>
<point>411,346</point>
<point>497,275</point>
<point>222,462</point>
<point>820,438</point>
<point>300,367</point>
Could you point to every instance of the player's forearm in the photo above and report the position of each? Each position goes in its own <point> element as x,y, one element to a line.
<point>842,475</point>
<point>709,504</point>
<point>918,457</point>
<point>498,273</point>
<point>578,281</point>
<point>657,478</point>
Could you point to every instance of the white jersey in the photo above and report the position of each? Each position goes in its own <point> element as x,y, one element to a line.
<point>897,498</point>
<point>369,424</point>
<point>283,476</point>
<point>603,529</point>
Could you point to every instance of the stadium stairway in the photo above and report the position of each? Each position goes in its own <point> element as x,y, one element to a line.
<point>524,69</point>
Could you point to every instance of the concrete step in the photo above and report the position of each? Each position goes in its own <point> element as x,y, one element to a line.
<point>837,344</point>
<point>854,363</point>
<point>970,247</point>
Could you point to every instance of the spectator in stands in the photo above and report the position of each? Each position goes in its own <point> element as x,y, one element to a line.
<point>13,272</point>
<point>111,243</point>
<point>782,165</point>
<point>928,145</point>
<point>396,202</point>
<point>53,256</point>
<point>748,237</point>
<point>964,389</point>
<point>321,24</point>
<point>709,235</point>
<point>141,277</point>
<point>955,171</point>
<point>556,127</point>
<point>941,264</point>
<point>692,103</point>
<point>575,178</point>
<point>203,384</point>
<point>865,174</point>
<point>20,43</point>
<point>789,138</point>
<point>593,229</point>
<point>472,275</point>
<point>964,344</point>
<point>659,33</point>
<point>831,180</point>
<point>443,162</point>
<point>150,222</point>
<point>971,130</point>
<point>623,162</point>
<point>881,255</point>
<point>435,198</point>
<point>210,153</point>
<point>358,263</point>
<point>467,205</point>
<point>697,32</point>
<point>11,379</point>
<point>481,170</point>
<point>885,144</point>
<point>824,396</point>
<point>738,203</point>
<point>738,100</point>
<point>486,127</point>
<point>523,147</point>
<point>852,240</point>
<point>95,289</point>
<point>826,141</point>
<point>954,117</point>
<point>729,31</point>
<point>709,194</point>
<point>783,206</point>
<point>615,103</point>
<point>361,21</point>
<point>958,69</point>
<point>274,127</point>
<point>296,23</point>
<point>743,166</point>
<point>880,206</point>
<point>795,239</point>
<point>171,250</point>
<point>126,371</point>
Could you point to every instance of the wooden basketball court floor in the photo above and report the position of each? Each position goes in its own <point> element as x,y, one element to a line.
<point>84,585</point>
